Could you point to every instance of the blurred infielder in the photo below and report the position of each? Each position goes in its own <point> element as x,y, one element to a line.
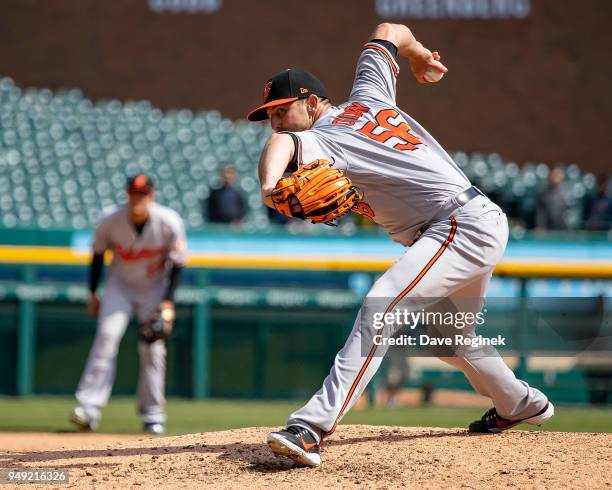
<point>148,245</point>
<point>412,188</point>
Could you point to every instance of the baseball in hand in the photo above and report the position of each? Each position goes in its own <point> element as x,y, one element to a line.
<point>432,75</point>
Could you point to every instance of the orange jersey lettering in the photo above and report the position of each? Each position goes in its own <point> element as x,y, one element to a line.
<point>390,130</point>
<point>350,114</point>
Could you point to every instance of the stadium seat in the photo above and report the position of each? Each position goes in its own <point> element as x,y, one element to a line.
<point>63,158</point>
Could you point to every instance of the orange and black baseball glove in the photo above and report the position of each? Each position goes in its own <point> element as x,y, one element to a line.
<point>316,192</point>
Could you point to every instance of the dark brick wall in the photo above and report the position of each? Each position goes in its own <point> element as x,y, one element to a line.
<point>532,89</point>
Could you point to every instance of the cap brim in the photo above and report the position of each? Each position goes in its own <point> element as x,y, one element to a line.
<point>261,114</point>
<point>140,190</point>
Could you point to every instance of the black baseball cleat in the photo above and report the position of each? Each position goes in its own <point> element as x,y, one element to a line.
<point>492,423</point>
<point>296,443</point>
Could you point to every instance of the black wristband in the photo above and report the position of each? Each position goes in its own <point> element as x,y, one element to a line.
<point>173,282</point>
<point>392,48</point>
<point>95,271</point>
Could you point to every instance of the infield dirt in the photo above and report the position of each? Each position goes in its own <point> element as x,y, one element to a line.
<point>356,456</point>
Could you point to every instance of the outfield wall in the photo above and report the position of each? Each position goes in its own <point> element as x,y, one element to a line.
<point>261,326</point>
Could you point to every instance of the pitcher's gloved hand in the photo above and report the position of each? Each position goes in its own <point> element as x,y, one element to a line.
<point>316,192</point>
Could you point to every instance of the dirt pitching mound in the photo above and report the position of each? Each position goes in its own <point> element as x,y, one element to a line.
<point>371,456</point>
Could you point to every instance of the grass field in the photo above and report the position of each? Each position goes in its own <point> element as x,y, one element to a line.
<point>50,414</point>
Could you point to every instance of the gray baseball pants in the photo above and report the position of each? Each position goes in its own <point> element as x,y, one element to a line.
<point>117,307</point>
<point>453,259</point>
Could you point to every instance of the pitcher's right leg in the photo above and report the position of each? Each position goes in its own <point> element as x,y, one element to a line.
<point>420,273</point>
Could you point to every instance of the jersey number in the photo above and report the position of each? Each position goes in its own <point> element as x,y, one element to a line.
<point>390,130</point>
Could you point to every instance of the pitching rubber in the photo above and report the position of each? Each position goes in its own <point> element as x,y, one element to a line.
<point>282,447</point>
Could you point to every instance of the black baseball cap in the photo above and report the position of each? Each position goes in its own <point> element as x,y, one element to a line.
<point>140,183</point>
<point>287,86</point>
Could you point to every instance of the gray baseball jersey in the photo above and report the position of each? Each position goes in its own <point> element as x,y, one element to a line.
<point>140,261</point>
<point>405,174</point>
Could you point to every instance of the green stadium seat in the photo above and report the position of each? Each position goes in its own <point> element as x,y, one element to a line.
<point>37,185</point>
<point>39,203</point>
<point>122,134</point>
<point>55,196</point>
<point>254,202</point>
<point>210,163</point>
<point>13,158</point>
<point>512,170</point>
<point>18,176</point>
<point>104,188</point>
<point>194,219</point>
<point>190,200</point>
<point>169,192</point>
<point>107,202</point>
<point>10,138</point>
<point>590,182</point>
<point>9,220</point>
<point>199,124</point>
<point>52,178</point>
<point>5,187</point>
<point>79,222</point>
<point>25,214</point>
<point>93,214</point>
<point>153,134</point>
<point>63,158</point>
<point>202,190</point>
<point>44,221</point>
<point>21,195</point>
<point>248,185</point>
<point>166,124</point>
<point>107,142</point>
<point>85,179</point>
<point>59,214</point>
<point>184,135</point>
<point>572,173</point>
<point>70,187</point>
<point>89,197</point>
<point>6,203</point>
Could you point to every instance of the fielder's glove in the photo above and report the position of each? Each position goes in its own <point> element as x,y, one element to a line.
<point>316,192</point>
<point>158,326</point>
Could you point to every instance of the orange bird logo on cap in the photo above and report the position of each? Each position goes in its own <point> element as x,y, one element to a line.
<point>266,90</point>
<point>140,181</point>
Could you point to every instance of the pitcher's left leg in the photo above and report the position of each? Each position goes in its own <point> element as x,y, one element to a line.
<point>485,368</point>
<point>482,240</point>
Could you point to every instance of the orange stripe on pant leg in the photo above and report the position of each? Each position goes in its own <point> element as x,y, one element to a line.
<point>397,299</point>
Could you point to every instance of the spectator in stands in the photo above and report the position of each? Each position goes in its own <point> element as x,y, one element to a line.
<point>552,204</point>
<point>226,203</point>
<point>598,208</point>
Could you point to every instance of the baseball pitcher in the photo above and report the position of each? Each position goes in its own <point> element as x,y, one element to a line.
<point>148,245</point>
<point>401,177</point>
